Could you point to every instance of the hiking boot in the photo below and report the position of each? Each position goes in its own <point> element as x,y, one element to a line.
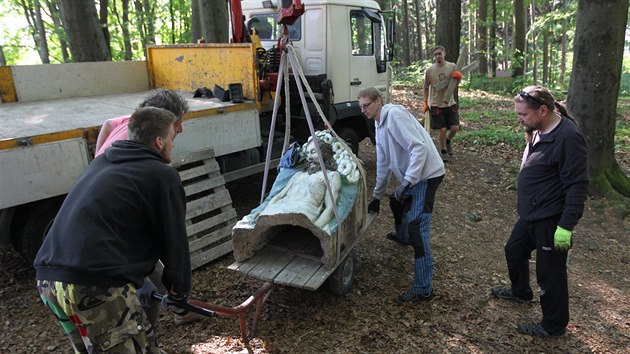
<point>506,293</point>
<point>444,156</point>
<point>537,330</point>
<point>186,318</point>
<point>449,148</point>
<point>409,296</point>
<point>394,237</point>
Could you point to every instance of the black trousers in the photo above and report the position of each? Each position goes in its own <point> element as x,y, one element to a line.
<point>551,269</point>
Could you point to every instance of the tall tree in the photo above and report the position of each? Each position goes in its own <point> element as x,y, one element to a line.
<point>33,13</point>
<point>419,4</point>
<point>214,20</point>
<point>103,19</point>
<point>85,36</point>
<point>405,34</point>
<point>493,39</point>
<point>53,9</point>
<point>449,25</point>
<point>594,88</point>
<point>518,55</point>
<point>482,31</point>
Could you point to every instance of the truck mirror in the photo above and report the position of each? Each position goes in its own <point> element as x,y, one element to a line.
<point>391,36</point>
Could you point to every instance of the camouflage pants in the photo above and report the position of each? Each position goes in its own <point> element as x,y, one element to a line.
<point>98,319</point>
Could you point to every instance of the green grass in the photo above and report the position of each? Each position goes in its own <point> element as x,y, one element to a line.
<point>494,135</point>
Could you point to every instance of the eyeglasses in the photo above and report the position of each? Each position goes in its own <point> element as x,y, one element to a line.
<point>526,95</point>
<point>364,106</point>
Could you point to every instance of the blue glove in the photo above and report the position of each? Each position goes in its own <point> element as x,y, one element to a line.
<point>172,304</point>
<point>146,291</point>
<point>562,239</point>
<point>401,189</point>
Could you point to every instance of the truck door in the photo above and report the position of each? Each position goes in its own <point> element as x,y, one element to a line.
<point>367,61</point>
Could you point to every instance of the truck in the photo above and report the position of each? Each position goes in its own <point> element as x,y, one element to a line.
<point>51,114</point>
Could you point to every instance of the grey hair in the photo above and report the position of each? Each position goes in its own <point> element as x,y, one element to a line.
<point>370,92</point>
<point>167,99</point>
<point>147,123</point>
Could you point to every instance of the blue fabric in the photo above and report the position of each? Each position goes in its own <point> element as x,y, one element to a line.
<point>423,266</point>
<point>345,201</point>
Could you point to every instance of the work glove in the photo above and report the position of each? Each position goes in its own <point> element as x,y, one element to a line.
<point>374,206</point>
<point>173,304</point>
<point>426,107</point>
<point>562,239</point>
<point>145,292</point>
<point>400,190</point>
<point>457,75</point>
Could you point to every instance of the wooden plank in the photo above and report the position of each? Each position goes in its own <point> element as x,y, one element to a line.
<point>301,278</point>
<point>204,185</point>
<point>247,265</point>
<point>226,216</point>
<point>271,265</point>
<point>212,202</point>
<point>209,239</point>
<point>183,159</point>
<point>318,278</point>
<point>194,172</point>
<point>211,254</point>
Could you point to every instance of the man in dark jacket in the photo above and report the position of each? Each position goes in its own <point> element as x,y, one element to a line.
<point>552,189</point>
<point>125,212</point>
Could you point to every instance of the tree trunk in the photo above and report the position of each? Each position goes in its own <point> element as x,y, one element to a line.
<point>406,45</point>
<point>563,58</point>
<point>195,22</point>
<point>594,88</point>
<point>534,47</point>
<point>418,5</point>
<point>150,21</point>
<point>33,14</point>
<point>449,24</point>
<point>214,21</point>
<point>3,60</point>
<point>545,58</point>
<point>493,39</point>
<point>124,26</point>
<point>518,55</point>
<point>482,30</point>
<point>84,32</point>
<point>428,23</point>
<point>103,18</point>
<point>58,29</point>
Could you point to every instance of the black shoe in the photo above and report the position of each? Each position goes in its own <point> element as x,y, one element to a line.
<point>537,330</point>
<point>506,293</point>
<point>444,155</point>
<point>449,148</point>
<point>394,237</point>
<point>409,296</point>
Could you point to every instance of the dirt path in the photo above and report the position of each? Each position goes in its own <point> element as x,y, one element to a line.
<point>473,216</point>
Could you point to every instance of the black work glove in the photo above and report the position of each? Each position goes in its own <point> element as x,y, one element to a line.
<point>374,206</point>
<point>401,190</point>
<point>173,304</point>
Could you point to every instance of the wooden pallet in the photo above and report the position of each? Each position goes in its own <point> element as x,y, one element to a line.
<point>209,212</point>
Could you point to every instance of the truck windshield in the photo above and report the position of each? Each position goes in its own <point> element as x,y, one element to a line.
<point>269,30</point>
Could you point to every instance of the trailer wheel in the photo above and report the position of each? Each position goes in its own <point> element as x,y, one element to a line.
<point>342,278</point>
<point>31,223</point>
<point>350,137</point>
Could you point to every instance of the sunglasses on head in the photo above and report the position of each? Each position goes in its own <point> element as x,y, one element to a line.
<point>526,95</point>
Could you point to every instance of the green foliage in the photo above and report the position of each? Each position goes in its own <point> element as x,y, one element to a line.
<point>413,73</point>
<point>622,133</point>
<point>624,89</point>
<point>494,135</point>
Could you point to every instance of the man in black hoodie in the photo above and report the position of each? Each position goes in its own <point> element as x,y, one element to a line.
<point>552,189</point>
<point>125,212</point>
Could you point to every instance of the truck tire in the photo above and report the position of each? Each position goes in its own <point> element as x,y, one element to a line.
<point>342,278</point>
<point>31,223</point>
<point>350,137</point>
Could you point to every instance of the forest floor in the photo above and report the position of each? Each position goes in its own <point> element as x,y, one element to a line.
<point>473,216</point>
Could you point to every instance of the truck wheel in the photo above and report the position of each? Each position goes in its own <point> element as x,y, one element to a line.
<point>31,223</point>
<point>350,137</point>
<point>341,279</point>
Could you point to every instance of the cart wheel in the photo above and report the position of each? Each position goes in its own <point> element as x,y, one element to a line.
<point>342,278</point>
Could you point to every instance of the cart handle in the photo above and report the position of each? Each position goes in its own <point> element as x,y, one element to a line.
<point>256,300</point>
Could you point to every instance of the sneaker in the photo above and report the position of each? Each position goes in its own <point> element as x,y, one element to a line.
<point>394,237</point>
<point>186,318</point>
<point>409,296</point>
<point>444,156</point>
<point>506,293</point>
<point>449,148</point>
<point>537,330</point>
